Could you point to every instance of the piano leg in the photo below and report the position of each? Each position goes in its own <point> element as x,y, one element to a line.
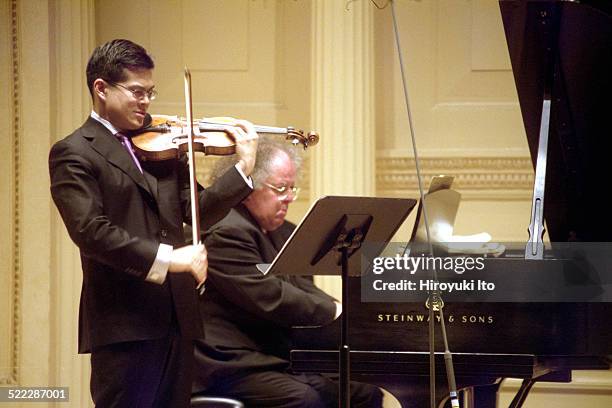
<point>410,392</point>
<point>414,392</point>
<point>481,396</point>
<point>562,375</point>
<point>521,394</point>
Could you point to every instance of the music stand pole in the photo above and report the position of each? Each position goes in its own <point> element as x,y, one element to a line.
<point>347,236</point>
<point>345,351</point>
<point>347,240</point>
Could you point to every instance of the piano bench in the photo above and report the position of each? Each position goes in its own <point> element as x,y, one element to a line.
<point>204,401</point>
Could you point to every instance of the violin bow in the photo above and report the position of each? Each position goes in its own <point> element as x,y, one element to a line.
<point>193,185</point>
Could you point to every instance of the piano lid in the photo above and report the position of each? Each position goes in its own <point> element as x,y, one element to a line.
<point>579,169</point>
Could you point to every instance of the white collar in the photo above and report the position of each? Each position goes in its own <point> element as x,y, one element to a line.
<point>94,115</point>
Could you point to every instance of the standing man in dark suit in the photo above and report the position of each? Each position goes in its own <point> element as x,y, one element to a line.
<point>138,312</point>
<point>247,315</point>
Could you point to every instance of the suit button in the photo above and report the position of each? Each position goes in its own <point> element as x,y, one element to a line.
<point>164,233</point>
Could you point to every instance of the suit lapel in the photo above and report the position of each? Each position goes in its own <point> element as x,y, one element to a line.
<point>270,245</point>
<point>277,239</point>
<point>152,183</point>
<point>113,151</point>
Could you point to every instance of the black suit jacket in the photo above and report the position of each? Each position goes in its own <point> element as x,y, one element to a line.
<point>118,216</point>
<point>248,315</point>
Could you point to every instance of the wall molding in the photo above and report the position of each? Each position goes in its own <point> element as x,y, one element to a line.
<point>13,374</point>
<point>477,178</point>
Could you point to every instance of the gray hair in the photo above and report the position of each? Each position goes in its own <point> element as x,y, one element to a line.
<point>267,149</point>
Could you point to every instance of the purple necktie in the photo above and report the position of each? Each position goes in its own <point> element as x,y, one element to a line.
<point>128,146</point>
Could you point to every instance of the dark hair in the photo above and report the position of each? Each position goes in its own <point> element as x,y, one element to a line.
<point>109,60</point>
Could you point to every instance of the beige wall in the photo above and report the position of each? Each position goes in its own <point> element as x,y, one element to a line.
<point>306,63</point>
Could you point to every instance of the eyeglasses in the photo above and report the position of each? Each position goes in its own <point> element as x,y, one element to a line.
<point>138,93</point>
<point>282,192</point>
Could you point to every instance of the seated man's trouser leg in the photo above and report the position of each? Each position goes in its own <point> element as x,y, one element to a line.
<point>279,389</point>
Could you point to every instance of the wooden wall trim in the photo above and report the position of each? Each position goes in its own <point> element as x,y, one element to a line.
<point>13,374</point>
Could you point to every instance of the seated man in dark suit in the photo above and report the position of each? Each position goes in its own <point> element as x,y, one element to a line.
<point>247,316</point>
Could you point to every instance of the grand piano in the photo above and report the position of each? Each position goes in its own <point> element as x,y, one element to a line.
<point>533,341</point>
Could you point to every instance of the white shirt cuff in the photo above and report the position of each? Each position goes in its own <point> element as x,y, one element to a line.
<point>159,269</point>
<point>246,179</point>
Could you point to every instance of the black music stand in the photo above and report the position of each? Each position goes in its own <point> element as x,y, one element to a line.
<point>326,242</point>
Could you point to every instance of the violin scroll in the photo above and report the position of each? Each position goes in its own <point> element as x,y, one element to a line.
<point>296,136</point>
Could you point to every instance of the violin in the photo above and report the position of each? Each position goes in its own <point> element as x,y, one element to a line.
<point>165,137</point>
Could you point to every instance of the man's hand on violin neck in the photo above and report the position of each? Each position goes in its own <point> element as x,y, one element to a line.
<point>246,145</point>
<point>192,259</point>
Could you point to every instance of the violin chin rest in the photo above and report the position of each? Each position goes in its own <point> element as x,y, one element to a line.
<point>147,120</point>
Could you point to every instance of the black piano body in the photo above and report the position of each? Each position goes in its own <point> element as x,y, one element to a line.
<point>490,341</point>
